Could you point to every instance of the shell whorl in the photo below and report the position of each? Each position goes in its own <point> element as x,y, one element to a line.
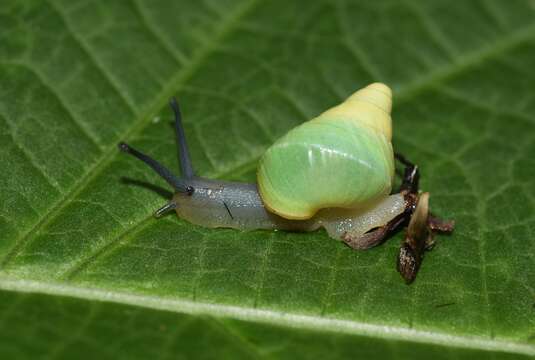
<point>343,158</point>
<point>370,106</point>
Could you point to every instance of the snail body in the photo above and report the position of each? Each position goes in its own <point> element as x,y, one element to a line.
<point>238,205</point>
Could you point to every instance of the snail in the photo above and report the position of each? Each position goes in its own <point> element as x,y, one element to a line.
<point>335,171</point>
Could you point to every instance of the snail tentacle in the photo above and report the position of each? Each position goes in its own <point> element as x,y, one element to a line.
<point>179,184</point>
<point>184,159</point>
<point>165,209</point>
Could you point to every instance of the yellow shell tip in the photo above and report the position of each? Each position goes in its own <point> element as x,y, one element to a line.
<point>377,94</point>
<point>380,87</point>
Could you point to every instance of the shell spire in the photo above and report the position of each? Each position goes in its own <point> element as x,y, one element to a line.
<point>371,106</point>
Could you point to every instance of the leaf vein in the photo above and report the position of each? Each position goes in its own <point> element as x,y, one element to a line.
<point>86,49</point>
<point>152,29</point>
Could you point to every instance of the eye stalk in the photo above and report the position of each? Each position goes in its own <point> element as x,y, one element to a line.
<point>177,183</point>
<point>186,168</point>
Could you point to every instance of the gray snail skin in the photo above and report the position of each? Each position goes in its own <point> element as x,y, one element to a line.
<point>238,205</point>
<point>361,221</point>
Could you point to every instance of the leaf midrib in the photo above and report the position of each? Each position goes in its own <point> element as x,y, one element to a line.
<point>274,317</point>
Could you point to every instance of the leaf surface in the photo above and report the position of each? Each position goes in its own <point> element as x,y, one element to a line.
<point>76,228</point>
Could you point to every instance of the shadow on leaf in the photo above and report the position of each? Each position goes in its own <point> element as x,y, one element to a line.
<point>164,193</point>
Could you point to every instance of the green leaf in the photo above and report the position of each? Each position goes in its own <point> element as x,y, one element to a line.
<point>108,280</point>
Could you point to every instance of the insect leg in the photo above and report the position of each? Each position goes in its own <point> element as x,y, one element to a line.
<point>374,237</point>
<point>183,153</point>
<point>366,241</point>
<point>440,225</point>
<point>411,175</point>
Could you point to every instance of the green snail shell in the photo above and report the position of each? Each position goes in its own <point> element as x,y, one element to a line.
<point>343,158</point>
